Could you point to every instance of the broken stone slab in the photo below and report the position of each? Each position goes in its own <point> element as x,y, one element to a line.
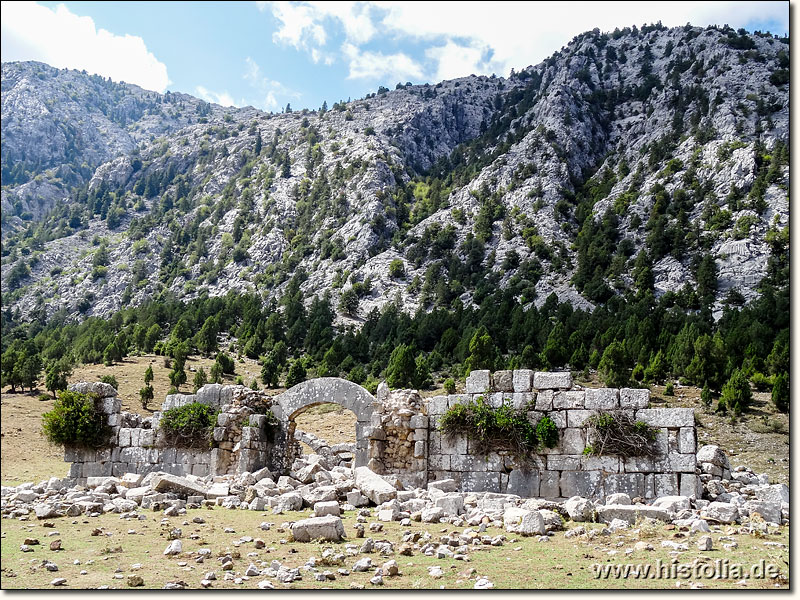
<point>432,514</point>
<point>552,380</point>
<point>769,511</point>
<point>164,482</point>
<point>373,486</point>
<point>289,501</point>
<point>714,455</point>
<point>629,514</point>
<point>776,493</point>
<point>722,512</point>
<point>673,504</point>
<point>357,499</point>
<point>522,521</point>
<point>329,528</point>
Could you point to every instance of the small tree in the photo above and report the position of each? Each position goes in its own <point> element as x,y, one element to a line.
<point>705,396</point>
<point>297,373</point>
<point>736,394</point>
<point>402,367</point>
<point>269,371</point>
<point>780,392</point>
<point>348,303</point>
<point>146,395</point>
<point>56,377</point>
<point>450,385</point>
<point>200,379</point>
<point>177,376</point>
<point>148,375</point>
<point>216,373</point>
<point>612,367</point>
<point>482,351</point>
<point>397,269</point>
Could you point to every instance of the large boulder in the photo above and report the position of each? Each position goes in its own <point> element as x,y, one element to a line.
<point>769,511</point>
<point>524,522</point>
<point>329,529</point>
<point>373,486</point>
<point>774,493</point>
<point>579,509</point>
<point>722,512</point>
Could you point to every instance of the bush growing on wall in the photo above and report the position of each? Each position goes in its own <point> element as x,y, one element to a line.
<point>189,426</point>
<point>76,421</point>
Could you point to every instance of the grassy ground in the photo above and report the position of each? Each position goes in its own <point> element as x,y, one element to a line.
<point>561,563</point>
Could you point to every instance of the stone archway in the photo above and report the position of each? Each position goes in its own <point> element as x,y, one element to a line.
<point>323,390</point>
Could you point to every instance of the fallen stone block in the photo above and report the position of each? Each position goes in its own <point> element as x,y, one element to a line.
<point>673,504</point>
<point>323,509</point>
<point>769,511</point>
<point>774,493</point>
<point>722,512</point>
<point>179,485</point>
<point>329,529</point>
<point>524,522</point>
<point>580,509</point>
<point>373,486</point>
<point>629,514</point>
<point>443,485</point>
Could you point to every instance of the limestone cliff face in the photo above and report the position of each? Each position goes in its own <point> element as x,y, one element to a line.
<point>669,140</point>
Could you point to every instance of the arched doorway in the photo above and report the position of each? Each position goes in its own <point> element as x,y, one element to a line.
<point>296,400</point>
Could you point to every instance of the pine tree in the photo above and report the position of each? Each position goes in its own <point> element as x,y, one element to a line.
<point>613,369</point>
<point>402,367</point>
<point>148,375</point>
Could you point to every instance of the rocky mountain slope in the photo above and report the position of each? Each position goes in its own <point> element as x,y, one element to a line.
<point>642,158</point>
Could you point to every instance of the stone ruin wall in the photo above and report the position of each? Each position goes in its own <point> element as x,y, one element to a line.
<point>397,434</point>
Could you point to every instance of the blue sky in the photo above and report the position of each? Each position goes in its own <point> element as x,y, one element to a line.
<point>268,54</point>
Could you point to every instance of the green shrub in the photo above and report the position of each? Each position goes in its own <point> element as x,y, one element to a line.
<point>547,432</point>
<point>110,380</point>
<point>146,395</point>
<point>226,363</point>
<point>189,426</point>
<point>492,429</point>
<point>761,382</point>
<point>396,269</point>
<point>780,392</point>
<point>450,385</point>
<point>670,389</point>
<point>76,421</point>
<point>705,396</point>
<point>736,394</point>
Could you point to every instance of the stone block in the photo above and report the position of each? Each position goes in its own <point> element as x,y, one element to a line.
<point>602,399</point>
<point>480,482</point>
<point>323,509</point>
<point>522,521</point>
<point>451,503</point>
<point>210,394</point>
<point>419,422</point>
<point>630,513</point>
<point>610,464</point>
<point>178,485</point>
<point>638,464</point>
<point>102,390</point>
<point>588,484</point>
<point>776,493</point>
<point>572,441</point>
<point>523,484</point>
<point>690,485</point>
<point>373,486</point>
<point>124,437</point>
<point>497,399</point>
<point>544,400</point>
<point>625,483</point>
<point>113,420</point>
<point>329,529</point>
<point>419,449</point>
<point>455,399</point>
<point>563,462</point>
<point>111,405</point>
<point>523,380</point>
<point>769,511</point>
<point>437,405</point>
<point>467,462</point>
<point>549,484</point>
<point>503,381</point>
<point>146,438</point>
<point>453,445</point>
<point>666,417</point>
<point>478,382</point>
<point>686,441</point>
<point>576,418</point>
<point>568,400</point>
<point>666,484</point>
<point>676,463</point>
<point>634,398</point>
<point>523,400</point>
<point>559,417</point>
<point>136,434</point>
<point>552,380</point>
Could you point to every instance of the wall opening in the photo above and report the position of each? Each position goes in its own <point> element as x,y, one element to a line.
<point>324,428</point>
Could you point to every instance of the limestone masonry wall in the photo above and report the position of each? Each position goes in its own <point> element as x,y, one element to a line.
<point>397,433</point>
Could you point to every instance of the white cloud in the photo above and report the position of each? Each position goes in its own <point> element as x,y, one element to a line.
<point>376,65</point>
<point>520,34</point>
<point>483,37</point>
<point>221,98</point>
<point>267,89</point>
<point>62,39</point>
<point>454,60</point>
